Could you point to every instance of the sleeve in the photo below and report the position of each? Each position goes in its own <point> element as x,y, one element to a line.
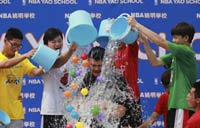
<point>179,50</point>
<point>159,105</point>
<point>28,67</point>
<point>167,60</point>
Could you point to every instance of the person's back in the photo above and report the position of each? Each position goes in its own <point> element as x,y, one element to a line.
<point>161,106</point>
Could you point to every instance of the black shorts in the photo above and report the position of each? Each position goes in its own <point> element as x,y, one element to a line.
<point>53,121</point>
<point>171,114</point>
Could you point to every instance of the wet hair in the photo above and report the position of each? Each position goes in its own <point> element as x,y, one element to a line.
<point>165,78</point>
<point>183,29</point>
<point>50,34</point>
<point>14,33</point>
<point>96,53</point>
<point>196,85</point>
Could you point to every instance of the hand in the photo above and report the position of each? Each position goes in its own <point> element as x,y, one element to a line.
<point>30,53</point>
<point>145,125</point>
<point>132,22</point>
<point>73,46</point>
<point>118,111</point>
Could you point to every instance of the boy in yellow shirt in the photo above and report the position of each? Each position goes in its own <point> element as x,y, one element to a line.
<point>13,67</point>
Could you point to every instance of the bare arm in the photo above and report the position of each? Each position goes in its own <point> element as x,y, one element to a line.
<point>15,60</point>
<point>37,72</point>
<point>152,36</point>
<point>154,61</point>
<point>147,124</point>
<point>62,59</point>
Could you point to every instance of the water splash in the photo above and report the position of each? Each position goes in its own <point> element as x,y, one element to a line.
<point>106,93</point>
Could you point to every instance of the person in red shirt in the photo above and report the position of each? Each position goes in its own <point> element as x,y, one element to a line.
<point>161,107</point>
<point>193,99</point>
<point>127,62</point>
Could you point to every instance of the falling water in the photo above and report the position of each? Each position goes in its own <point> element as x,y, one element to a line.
<point>102,97</point>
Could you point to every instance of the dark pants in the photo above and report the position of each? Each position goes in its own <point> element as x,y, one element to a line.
<point>171,117</point>
<point>54,121</point>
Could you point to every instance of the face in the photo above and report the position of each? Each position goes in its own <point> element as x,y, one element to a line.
<point>56,44</point>
<point>191,98</point>
<point>179,39</point>
<point>11,46</point>
<point>95,67</point>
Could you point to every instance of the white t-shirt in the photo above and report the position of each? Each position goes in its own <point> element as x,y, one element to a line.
<point>53,95</point>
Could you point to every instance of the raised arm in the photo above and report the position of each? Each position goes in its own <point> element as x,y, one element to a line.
<point>15,60</point>
<point>152,36</point>
<point>154,61</point>
<point>63,58</point>
<point>37,72</point>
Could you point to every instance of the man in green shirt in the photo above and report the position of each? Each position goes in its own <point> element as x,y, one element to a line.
<point>181,60</point>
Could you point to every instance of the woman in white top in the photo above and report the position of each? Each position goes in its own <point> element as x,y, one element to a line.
<point>52,106</point>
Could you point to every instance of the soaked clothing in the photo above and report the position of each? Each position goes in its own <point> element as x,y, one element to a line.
<point>127,60</point>
<point>53,121</point>
<point>122,95</point>
<point>52,106</point>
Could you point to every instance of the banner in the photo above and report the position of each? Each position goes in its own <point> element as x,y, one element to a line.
<point>34,17</point>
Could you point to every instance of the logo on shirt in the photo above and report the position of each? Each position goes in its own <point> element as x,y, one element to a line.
<point>12,79</point>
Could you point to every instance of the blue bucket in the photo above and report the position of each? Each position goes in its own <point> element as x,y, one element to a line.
<point>131,37</point>
<point>121,30</point>
<point>4,118</point>
<point>81,28</point>
<point>104,32</point>
<point>45,57</point>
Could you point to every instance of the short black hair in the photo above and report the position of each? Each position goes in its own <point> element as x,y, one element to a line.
<point>183,29</point>
<point>196,85</point>
<point>96,53</point>
<point>165,78</point>
<point>14,33</point>
<point>50,34</point>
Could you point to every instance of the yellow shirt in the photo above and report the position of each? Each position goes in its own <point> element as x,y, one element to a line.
<point>11,85</point>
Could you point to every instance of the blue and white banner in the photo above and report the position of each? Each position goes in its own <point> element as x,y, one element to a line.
<point>33,17</point>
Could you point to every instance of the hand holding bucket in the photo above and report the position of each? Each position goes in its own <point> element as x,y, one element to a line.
<point>81,29</point>
<point>4,118</point>
<point>45,57</point>
<point>121,30</point>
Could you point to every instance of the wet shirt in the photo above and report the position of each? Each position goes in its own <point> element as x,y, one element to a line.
<point>127,60</point>
<point>132,115</point>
